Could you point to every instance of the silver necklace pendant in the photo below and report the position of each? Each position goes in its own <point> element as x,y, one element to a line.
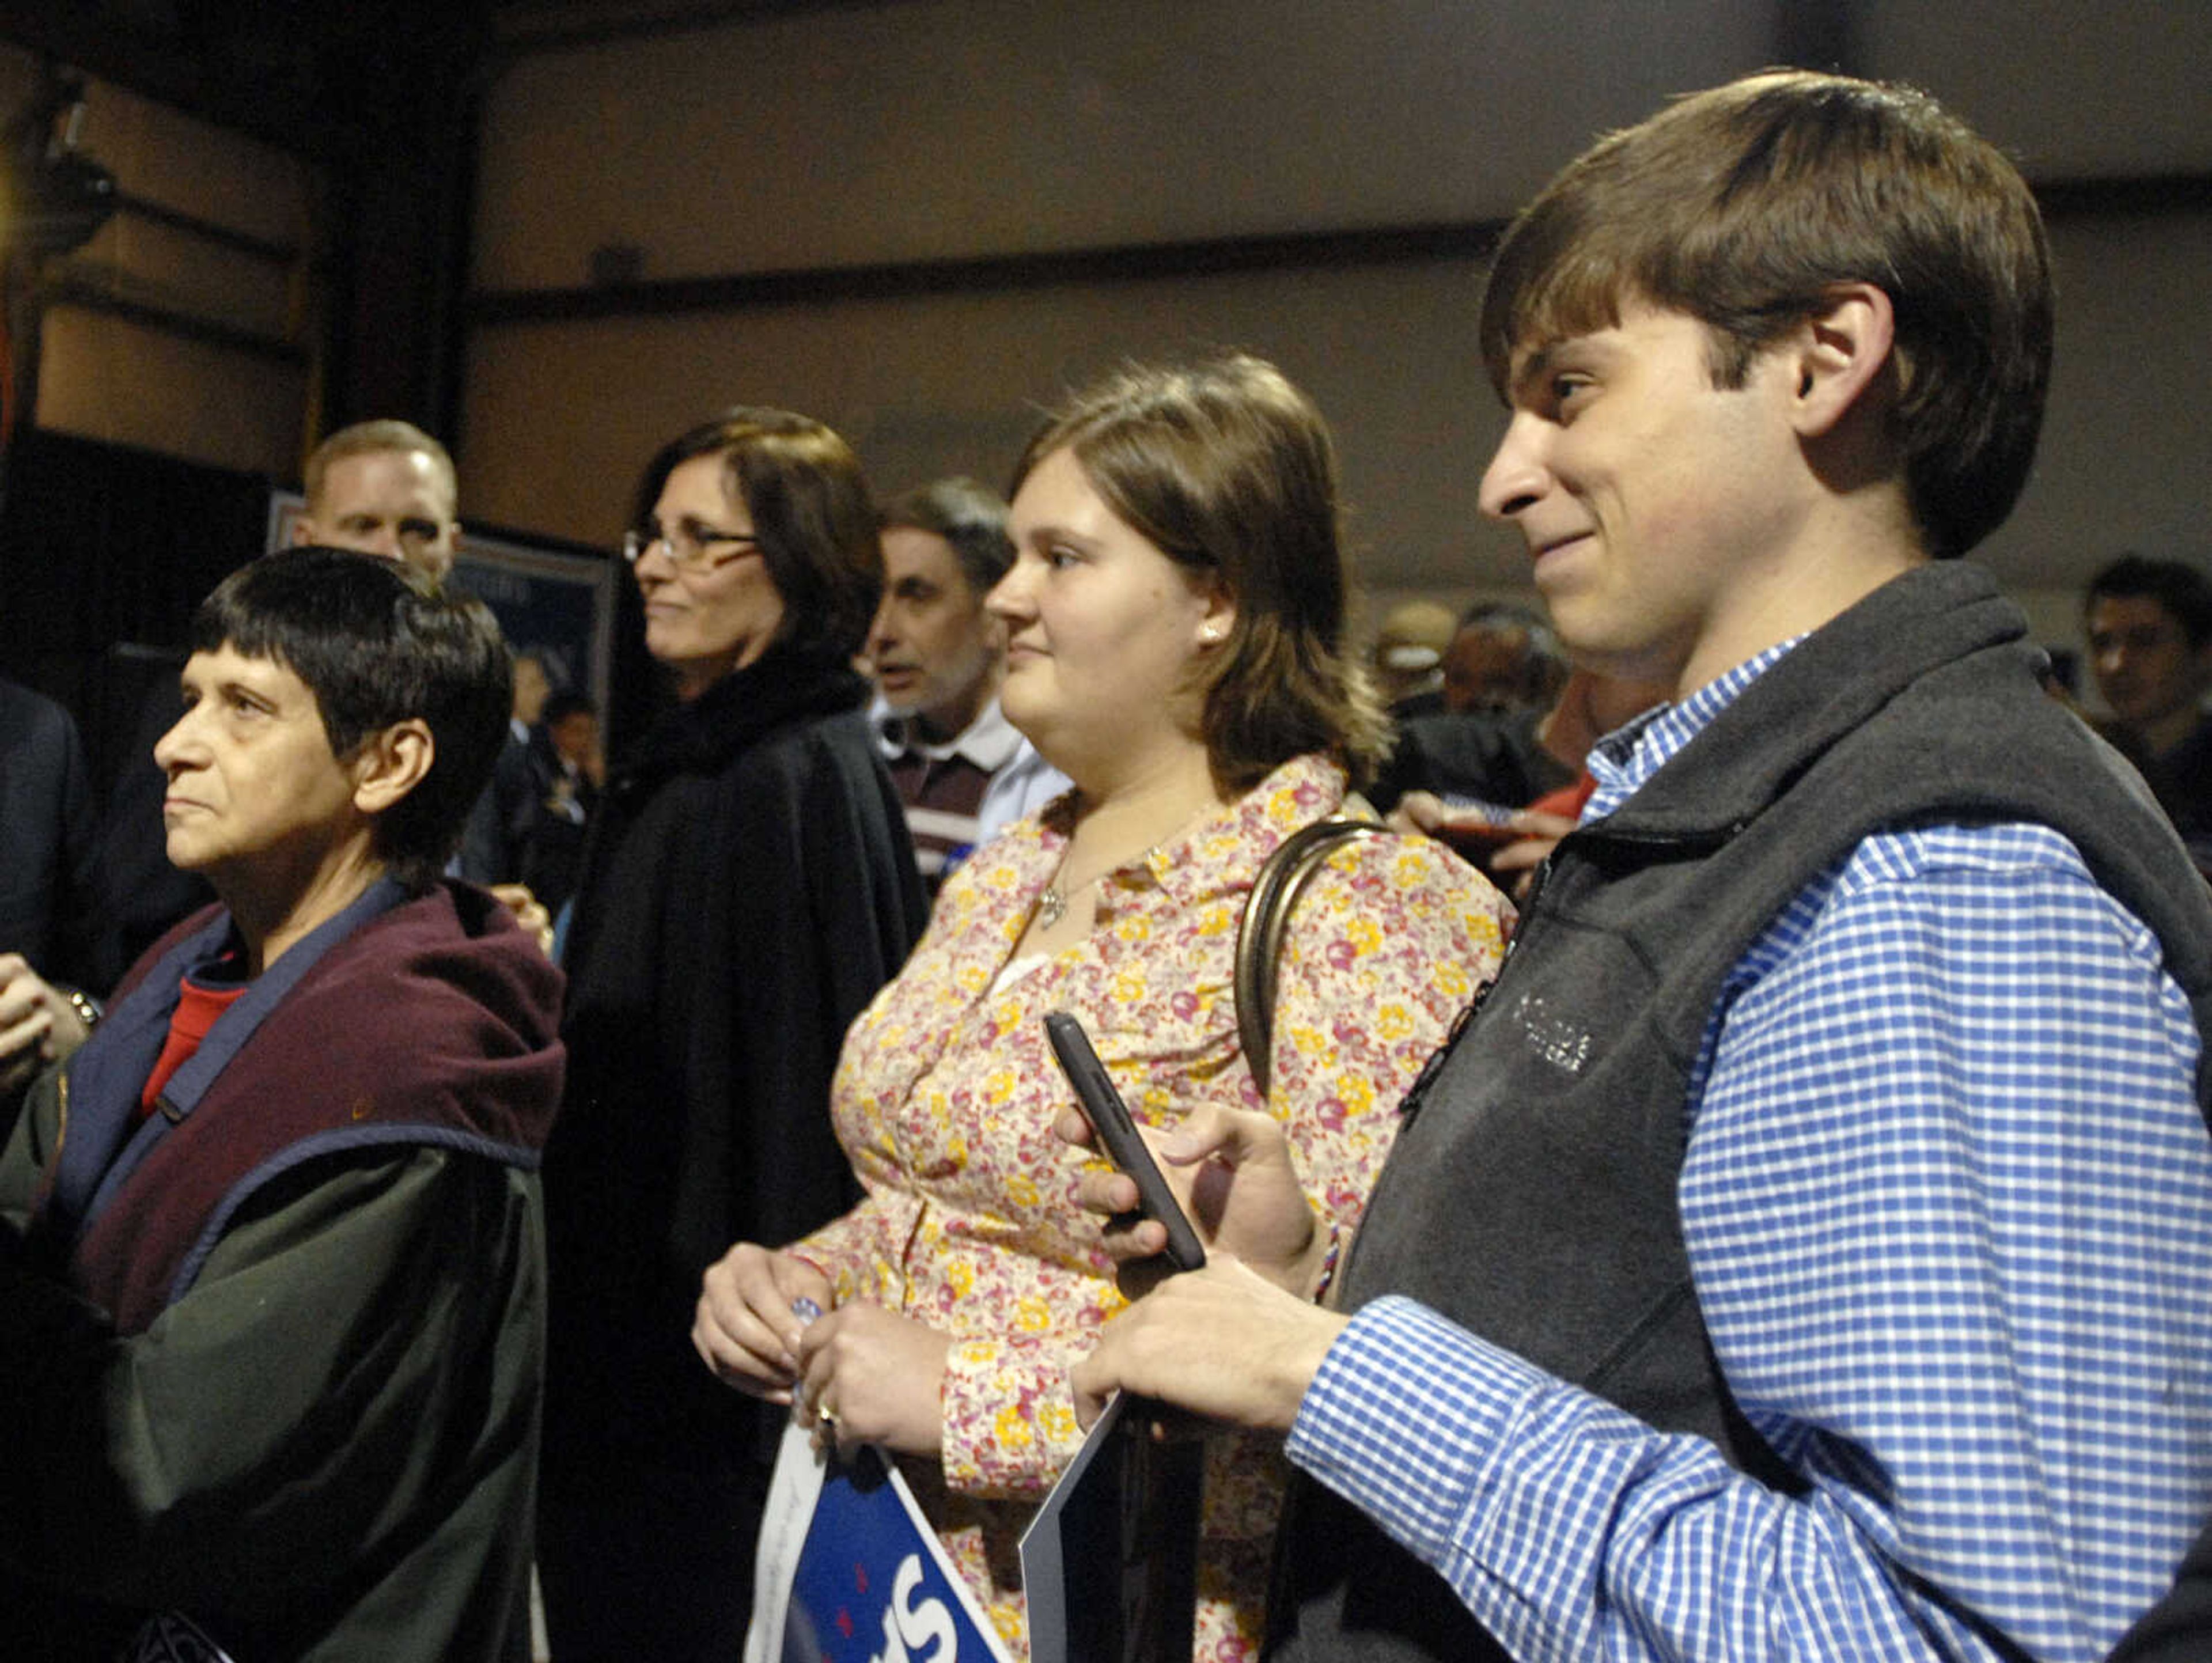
<point>1052,906</point>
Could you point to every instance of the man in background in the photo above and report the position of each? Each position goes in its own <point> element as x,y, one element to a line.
<point>1503,659</point>
<point>1503,671</point>
<point>383,488</point>
<point>962,769</point>
<point>554,855</point>
<point>497,842</point>
<point>2149,624</point>
<point>1407,657</point>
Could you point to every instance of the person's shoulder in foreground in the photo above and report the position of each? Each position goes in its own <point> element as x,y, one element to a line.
<point>1803,1251</point>
<point>274,1231</point>
<point>47,828</point>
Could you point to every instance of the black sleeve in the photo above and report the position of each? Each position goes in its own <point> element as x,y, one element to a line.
<point>49,852</point>
<point>851,908</point>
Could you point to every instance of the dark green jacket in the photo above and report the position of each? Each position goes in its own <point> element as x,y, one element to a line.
<point>323,1446</point>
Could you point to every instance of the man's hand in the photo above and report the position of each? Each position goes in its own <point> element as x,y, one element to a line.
<point>38,1024</point>
<point>1537,835</point>
<point>1481,826</point>
<point>754,1306</point>
<point>1506,849</point>
<point>872,1376</point>
<point>1232,1171</point>
<point>1423,814</point>
<point>1220,1342</point>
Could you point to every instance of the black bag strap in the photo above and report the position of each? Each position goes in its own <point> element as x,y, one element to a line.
<point>1266,920</point>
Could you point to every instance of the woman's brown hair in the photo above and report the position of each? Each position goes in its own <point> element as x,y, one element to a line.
<point>812,515</point>
<point>1227,470</point>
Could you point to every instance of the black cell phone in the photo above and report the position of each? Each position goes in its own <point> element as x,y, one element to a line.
<point>1110,1117</point>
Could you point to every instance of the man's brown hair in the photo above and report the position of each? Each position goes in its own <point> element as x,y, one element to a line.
<point>1747,205</point>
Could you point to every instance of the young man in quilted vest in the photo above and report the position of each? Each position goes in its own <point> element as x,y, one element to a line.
<point>1805,1250</point>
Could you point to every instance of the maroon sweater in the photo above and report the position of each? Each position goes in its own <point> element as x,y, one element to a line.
<point>429,1020</point>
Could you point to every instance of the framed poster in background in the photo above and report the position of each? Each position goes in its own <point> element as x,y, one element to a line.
<point>556,600</point>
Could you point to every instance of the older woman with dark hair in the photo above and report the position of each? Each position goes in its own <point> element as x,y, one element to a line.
<point>271,1262</point>
<point>748,886</point>
<point>1174,617</point>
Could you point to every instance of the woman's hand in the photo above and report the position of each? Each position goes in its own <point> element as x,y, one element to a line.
<point>38,1024</point>
<point>875,1377</point>
<point>754,1305</point>
<point>1232,1171</point>
<point>529,912</point>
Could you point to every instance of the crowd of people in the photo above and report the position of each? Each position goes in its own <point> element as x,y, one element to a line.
<point>1798,1244</point>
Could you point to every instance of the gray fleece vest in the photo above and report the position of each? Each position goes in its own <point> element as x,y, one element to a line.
<point>1531,1195</point>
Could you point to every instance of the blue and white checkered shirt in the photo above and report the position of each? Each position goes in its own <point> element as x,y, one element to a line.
<point>1947,1198</point>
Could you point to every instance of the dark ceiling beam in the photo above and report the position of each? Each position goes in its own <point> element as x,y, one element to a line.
<point>1471,241</point>
<point>265,249</point>
<point>2144,194</point>
<point>86,294</point>
<point>1138,263</point>
<point>524,26</point>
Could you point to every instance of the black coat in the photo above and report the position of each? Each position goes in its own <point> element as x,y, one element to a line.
<point>495,839</point>
<point>1472,753</point>
<point>49,881</point>
<point>748,887</point>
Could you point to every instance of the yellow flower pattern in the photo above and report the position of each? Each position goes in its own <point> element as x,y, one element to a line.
<point>946,1093</point>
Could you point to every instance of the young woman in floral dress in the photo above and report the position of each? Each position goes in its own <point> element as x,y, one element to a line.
<point>1175,620</point>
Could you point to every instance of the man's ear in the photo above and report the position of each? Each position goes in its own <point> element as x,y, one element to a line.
<point>304,534</point>
<point>391,763</point>
<point>1839,353</point>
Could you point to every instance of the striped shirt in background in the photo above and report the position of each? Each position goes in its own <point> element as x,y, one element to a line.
<point>959,794</point>
<point>941,794</point>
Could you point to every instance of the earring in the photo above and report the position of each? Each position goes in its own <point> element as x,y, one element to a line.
<point>1211,634</point>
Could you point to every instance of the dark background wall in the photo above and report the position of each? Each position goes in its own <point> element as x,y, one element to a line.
<point>285,250</point>
<point>556,231</point>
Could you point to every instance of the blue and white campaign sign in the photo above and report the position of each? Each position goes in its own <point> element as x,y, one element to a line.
<point>849,1571</point>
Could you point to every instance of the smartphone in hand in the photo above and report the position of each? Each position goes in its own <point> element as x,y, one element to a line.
<point>1110,1118</point>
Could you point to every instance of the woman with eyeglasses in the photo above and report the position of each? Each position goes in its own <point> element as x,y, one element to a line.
<point>748,886</point>
<point>1175,619</point>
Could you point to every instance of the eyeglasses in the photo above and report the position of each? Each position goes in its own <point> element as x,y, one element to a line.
<point>690,548</point>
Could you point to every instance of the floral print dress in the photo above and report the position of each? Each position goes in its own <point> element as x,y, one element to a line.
<point>946,1092</point>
